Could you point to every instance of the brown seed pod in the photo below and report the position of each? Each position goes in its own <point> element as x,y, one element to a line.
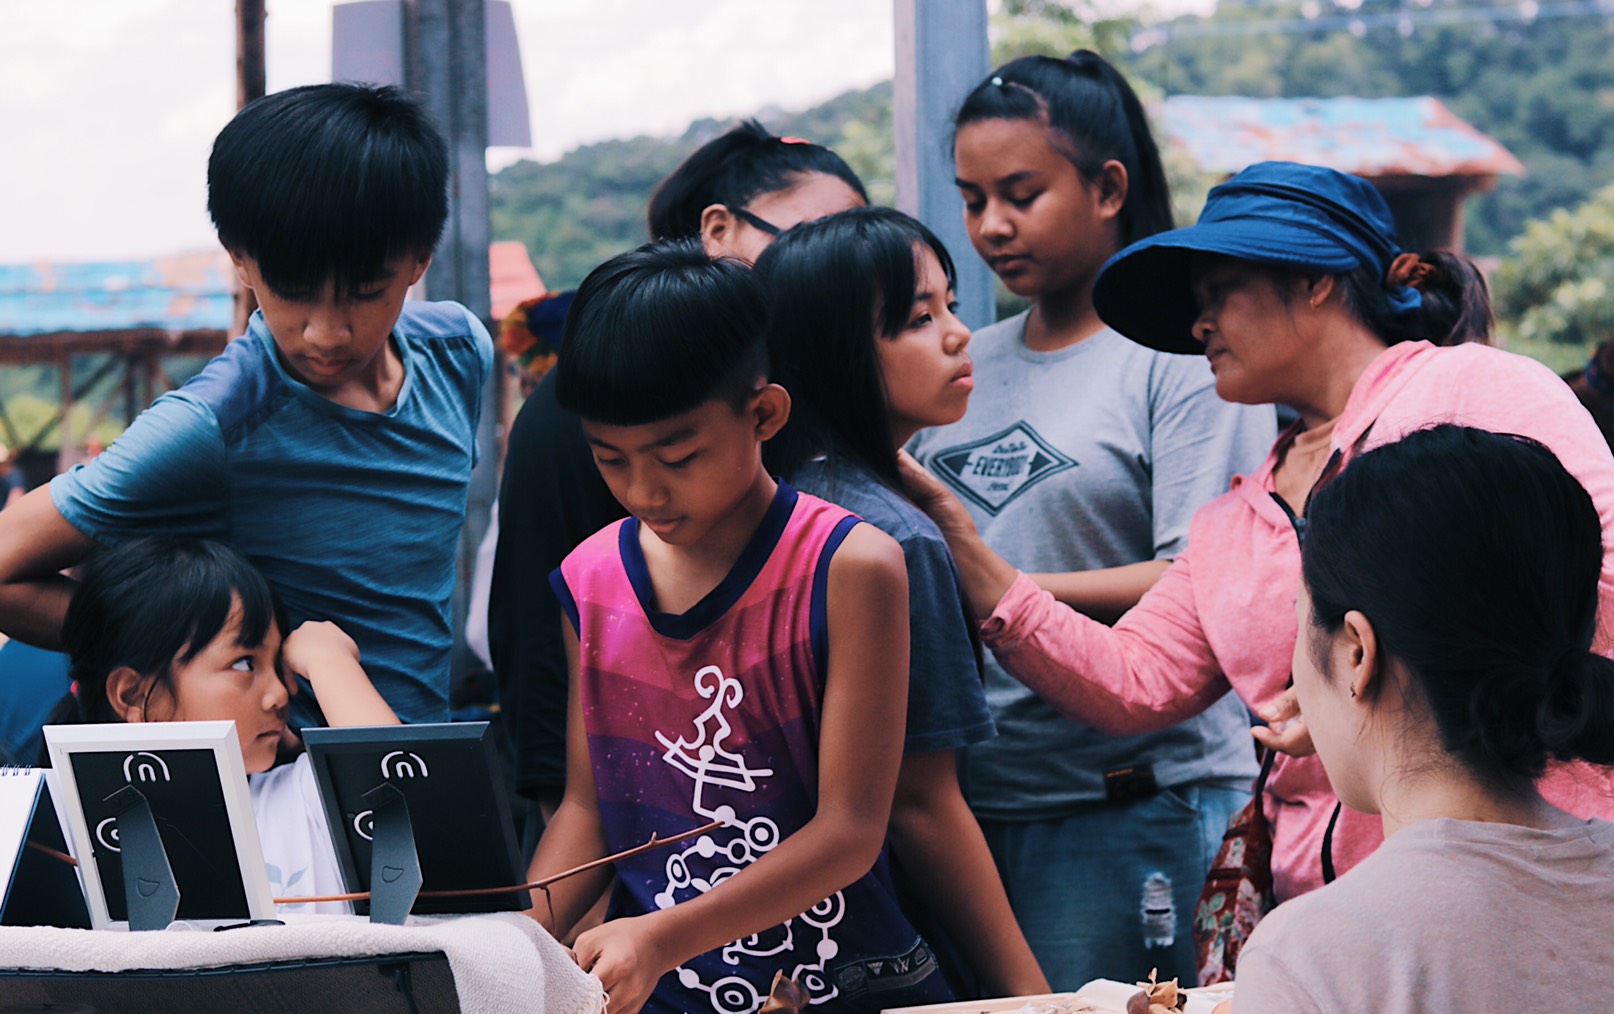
<point>786,996</point>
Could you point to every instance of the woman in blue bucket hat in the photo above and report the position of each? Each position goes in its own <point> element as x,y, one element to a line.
<point>1293,285</point>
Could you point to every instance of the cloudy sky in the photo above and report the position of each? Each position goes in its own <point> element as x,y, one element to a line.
<point>108,107</point>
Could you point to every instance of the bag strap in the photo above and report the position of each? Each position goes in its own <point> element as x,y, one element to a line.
<point>1261,779</point>
<point>1328,845</point>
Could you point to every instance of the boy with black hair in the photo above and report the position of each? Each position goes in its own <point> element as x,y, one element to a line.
<point>739,655</point>
<point>332,444</point>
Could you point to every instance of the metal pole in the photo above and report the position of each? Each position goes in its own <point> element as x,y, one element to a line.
<point>445,63</point>
<point>941,54</point>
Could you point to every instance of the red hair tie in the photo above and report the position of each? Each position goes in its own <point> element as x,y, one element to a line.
<point>1407,270</point>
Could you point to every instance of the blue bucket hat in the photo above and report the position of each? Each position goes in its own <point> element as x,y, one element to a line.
<point>1283,214</point>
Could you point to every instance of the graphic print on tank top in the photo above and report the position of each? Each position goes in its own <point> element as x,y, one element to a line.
<point>994,470</point>
<point>722,854</point>
<point>716,713</point>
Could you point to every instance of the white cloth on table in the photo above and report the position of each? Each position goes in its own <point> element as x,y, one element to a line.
<point>500,962</point>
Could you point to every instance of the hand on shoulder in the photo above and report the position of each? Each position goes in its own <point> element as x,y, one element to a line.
<point>928,493</point>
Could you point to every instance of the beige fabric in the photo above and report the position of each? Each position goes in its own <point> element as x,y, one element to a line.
<point>1448,915</point>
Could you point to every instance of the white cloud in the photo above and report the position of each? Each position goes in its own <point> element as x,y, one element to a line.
<point>620,67</point>
<point>110,106</point>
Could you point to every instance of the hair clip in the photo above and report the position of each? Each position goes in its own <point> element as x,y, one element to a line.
<point>794,140</point>
<point>995,80</point>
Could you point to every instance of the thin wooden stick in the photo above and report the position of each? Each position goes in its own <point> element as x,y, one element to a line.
<point>653,843</point>
<point>537,885</point>
<point>63,856</point>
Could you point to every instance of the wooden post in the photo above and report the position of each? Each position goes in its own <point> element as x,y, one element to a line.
<point>941,54</point>
<point>250,83</point>
<point>249,52</point>
<point>64,451</point>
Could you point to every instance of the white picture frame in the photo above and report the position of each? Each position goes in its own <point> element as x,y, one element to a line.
<point>144,746</point>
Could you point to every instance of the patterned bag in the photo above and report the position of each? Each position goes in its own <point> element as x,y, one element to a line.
<point>1238,889</point>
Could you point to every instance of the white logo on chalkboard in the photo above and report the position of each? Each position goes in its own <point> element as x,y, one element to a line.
<point>106,833</point>
<point>145,767</point>
<point>364,824</point>
<point>403,764</point>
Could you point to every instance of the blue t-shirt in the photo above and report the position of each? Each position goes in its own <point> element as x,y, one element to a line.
<point>946,700</point>
<point>352,516</point>
<point>35,681</point>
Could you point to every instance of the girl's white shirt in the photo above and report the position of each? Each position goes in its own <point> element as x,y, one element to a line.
<point>297,850</point>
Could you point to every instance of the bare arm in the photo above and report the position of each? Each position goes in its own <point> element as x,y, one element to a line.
<point>575,834</point>
<point>36,544</point>
<point>860,745</point>
<point>939,842</point>
<point>322,653</point>
<point>1103,594</point>
<point>1151,671</point>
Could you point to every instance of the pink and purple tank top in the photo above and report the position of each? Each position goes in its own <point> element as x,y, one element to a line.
<point>714,714</point>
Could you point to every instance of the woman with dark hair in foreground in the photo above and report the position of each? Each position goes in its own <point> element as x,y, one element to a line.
<point>1446,618</point>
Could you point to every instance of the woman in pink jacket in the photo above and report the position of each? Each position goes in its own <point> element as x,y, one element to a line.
<point>1292,284</point>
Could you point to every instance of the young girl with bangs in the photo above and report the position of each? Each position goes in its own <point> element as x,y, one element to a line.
<point>1081,460</point>
<point>165,629</point>
<point>867,370</point>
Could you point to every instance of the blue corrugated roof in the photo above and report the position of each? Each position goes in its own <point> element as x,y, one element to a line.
<point>186,292</point>
<point>1369,137</point>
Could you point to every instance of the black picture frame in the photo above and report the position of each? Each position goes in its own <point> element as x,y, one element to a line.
<point>446,776</point>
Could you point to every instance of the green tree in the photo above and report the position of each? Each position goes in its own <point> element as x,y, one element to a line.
<point>1543,88</point>
<point>1557,285</point>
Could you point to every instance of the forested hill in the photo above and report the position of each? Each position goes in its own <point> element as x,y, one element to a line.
<point>577,211</point>
<point>1544,87</point>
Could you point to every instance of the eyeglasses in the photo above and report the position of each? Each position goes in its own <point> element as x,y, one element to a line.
<point>756,222</point>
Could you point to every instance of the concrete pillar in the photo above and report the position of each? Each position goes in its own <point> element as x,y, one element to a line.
<point>445,62</point>
<point>941,54</point>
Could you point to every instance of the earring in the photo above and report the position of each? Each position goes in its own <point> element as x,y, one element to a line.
<point>1353,691</point>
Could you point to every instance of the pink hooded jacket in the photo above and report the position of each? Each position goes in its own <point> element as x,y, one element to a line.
<point>1223,615</point>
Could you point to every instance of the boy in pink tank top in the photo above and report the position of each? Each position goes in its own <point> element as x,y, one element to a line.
<point>739,654</point>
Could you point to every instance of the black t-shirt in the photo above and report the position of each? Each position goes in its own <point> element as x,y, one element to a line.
<point>550,500</point>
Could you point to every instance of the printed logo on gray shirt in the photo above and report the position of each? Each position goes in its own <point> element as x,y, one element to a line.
<point>994,470</point>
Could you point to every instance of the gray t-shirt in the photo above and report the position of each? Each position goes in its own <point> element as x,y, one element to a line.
<point>1448,915</point>
<point>946,704</point>
<point>1089,457</point>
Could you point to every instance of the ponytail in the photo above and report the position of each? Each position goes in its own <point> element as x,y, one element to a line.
<point>1575,719</point>
<point>1455,302</point>
<point>733,168</point>
<point>1095,117</point>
